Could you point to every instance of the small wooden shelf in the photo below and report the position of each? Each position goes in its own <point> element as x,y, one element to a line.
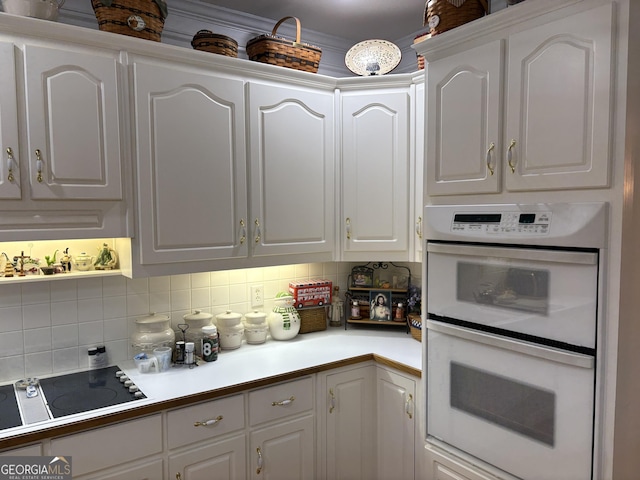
<point>366,321</point>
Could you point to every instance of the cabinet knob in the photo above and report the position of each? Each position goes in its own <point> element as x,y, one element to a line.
<point>512,165</point>
<point>490,157</point>
<point>39,165</point>
<point>10,176</point>
<point>283,403</point>
<point>259,469</point>
<point>208,423</point>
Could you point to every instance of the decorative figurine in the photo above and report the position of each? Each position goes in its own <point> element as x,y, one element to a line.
<point>107,259</point>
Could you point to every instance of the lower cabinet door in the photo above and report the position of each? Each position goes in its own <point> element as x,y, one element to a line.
<point>349,424</point>
<point>284,451</point>
<point>223,460</point>
<point>396,425</point>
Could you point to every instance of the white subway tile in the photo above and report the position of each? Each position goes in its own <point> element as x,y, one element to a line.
<point>180,282</point>
<point>67,360</point>
<point>114,286</point>
<point>159,284</point>
<point>36,316</point>
<point>64,313</point>
<point>37,292</point>
<point>37,340</point>
<point>11,319</point>
<point>200,280</point>
<point>11,343</point>
<point>90,288</point>
<point>12,368</point>
<point>114,307</point>
<point>38,363</point>
<point>64,336</point>
<point>90,333</point>
<point>11,295</point>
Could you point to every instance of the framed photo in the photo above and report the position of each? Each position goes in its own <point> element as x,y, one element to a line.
<point>380,305</point>
<point>362,277</point>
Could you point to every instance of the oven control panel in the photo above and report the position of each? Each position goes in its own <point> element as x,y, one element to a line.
<point>518,223</point>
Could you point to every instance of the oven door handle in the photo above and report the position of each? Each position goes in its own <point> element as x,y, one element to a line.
<point>555,256</point>
<point>527,348</point>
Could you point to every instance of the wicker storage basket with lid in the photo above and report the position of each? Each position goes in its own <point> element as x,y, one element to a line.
<point>276,50</point>
<point>443,15</point>
<point>136,18</point>
<point>208,41</point>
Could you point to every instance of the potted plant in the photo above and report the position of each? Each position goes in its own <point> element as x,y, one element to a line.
<point>49,269</point>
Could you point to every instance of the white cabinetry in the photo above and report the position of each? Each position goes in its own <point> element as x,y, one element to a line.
<point>396,424</point>
<point>346,410</point>
<point>191,164</point>
<point>62,161</point>
<point>217,430</point>
<point>443,466</point>
<point>292,186</point>
<point>130,441</point>
<point>556,132</point>
<point>375,173</point>
<point>282,435</point>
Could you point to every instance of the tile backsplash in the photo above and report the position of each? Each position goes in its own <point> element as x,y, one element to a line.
<point>46,327</point>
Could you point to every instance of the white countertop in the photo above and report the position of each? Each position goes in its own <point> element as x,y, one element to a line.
<point>252,363</point>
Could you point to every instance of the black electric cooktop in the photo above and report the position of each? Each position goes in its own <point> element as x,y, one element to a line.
<point>9,412</point>
<point>85,391</point>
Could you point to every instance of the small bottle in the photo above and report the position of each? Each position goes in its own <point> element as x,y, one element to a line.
<point>355,309</point>
<point>92,353</point>
<point>209,343</point>
<point>399,311</point>
<point>179,352</point>
<point>189,353</point>
<point>101,356</point>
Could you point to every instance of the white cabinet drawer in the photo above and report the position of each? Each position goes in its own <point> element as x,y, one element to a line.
<point>124,442</point>
<point>205,420</point>
<point>280,401</point>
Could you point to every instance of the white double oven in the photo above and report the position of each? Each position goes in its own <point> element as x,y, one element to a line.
<point>512,328</point>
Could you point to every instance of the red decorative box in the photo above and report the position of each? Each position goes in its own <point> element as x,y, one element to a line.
<point>313,293</point>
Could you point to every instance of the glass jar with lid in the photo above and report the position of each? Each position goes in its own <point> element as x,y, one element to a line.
<point>152,331</point>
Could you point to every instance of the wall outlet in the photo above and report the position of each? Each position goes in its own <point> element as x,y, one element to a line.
<point>257,295</point>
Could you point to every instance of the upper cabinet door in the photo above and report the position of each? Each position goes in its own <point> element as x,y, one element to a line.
<point>292,170</point>
<point>375,174</point>
<point>191,164</point>
<point>73,124</point>
<point>558,103</point>
<point>10,153</point>
<point>463,121</point>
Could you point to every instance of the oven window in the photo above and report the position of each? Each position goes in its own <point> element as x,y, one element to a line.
<point>516,406</point>
<point>503,286</point>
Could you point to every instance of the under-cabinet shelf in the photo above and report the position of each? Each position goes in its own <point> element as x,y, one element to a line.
<point>60,276</point>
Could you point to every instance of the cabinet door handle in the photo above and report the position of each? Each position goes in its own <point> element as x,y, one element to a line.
<point>10,162</point>
<point>259,469</point>
<point>348,228</point>
<point>419,228</point>
<point>283,403</point>
<point>332,401</point>
<point>257,222</point>
<point>409,406</point>
<point>178,476</point>
<point>39,165</point>
<point>208,423</point>
<point>489,157</point>
<point>243,231</point>
<point>510,156</point>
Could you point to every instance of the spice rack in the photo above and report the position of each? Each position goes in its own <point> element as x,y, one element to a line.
<point>361,289</point>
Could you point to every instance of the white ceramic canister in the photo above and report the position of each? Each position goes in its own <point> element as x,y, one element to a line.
<point>228,319</point>
<point>152,331</point>
<point>256,334</point>
<point>231,337</point>
<point>284,320</point>
<point>196,321</point>
<point>255,318</point>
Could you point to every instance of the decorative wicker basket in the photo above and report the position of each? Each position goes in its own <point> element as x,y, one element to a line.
<point>208,41</point>
<point>136,18</point>
<point>420,58</point>
<point>443,15</point>
<point>415,325</point>
<point>279,51</point>
<point>312,319</point>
